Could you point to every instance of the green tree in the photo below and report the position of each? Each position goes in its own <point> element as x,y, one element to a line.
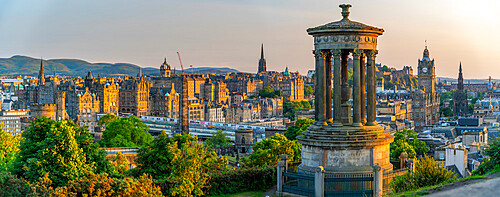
<point>218,140</point>
<point>300,125</point>
<point>181,161</point>
<point>386,69</point>
<point>289,108</point>
<point>492,161</point>
<point>126,132</point>
<point>269,92</point>
<point>268,151</point>
<point>427,172</point>
<point>308,90</point>
<point>51,147</point>
<point>120,163</point>
<point>388,85</point>
<point>11,185</point>
<point>406,141</point>
<point>445,111</point>
<point>104,120</point>
<point>9,148</point>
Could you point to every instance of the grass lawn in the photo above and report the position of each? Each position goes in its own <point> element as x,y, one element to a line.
<point>443,186</point>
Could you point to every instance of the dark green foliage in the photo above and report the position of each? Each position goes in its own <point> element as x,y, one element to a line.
<point>406,141</point>
<point>386,69</point>
<point>388,85</point>
<point>268,151</point>
<point>297,129</point>
<point>446,111</point>
<point>219,140</point>
<point>181,162</point>
<point>60,149</point>
<point>289,108</point>
<point>493,162</point>
<point>268,92</point>
<point>427,172</point>
<point>126,132</point>
<point>241,180</point>
<point>11,185</point>
<point>104,120</point>
<point>308,90</point>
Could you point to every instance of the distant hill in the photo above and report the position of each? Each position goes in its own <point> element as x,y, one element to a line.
<point>23,65</point>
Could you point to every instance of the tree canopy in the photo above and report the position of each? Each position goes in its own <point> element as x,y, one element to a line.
<point>406,141</point>
<point>9,148</point>
<point>446,111</point>
<point>181,161</point>
<point>60,149</point>
<point>300,125</point>
<point>126,132</point>
<point>218,140</point>
<point>268,151</point>
<point>104,120</point>
<point>269,92</point>
<point>289,108</point>
<point>308,90</point>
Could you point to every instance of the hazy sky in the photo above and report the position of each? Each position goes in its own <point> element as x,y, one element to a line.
<point>228,33</point>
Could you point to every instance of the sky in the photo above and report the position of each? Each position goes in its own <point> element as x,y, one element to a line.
<point>228,33</point>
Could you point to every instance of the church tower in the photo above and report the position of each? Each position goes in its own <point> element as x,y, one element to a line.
<point>41,74</point>
<point>427,73</point>
<point>461,104</point>
<point>262,61</point>
<point>165,69</point>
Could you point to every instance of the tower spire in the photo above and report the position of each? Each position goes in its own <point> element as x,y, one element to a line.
<point>41,73</point>
<point>262,51</point>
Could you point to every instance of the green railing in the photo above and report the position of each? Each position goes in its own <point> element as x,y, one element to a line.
<point>298,183</point>
<point>349,184</point>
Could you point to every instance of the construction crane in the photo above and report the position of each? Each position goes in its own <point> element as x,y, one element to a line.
<point>178,54</point>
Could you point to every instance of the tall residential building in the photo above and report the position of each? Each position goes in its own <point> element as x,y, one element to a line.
<point>88,107</point>
<point>461,104</point>
<point>164,102</point>
<point>262,61</point>
<point>426,99</point>
<point>134,96</point>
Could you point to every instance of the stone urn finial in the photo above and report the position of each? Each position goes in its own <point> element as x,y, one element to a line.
<point>345,11</point>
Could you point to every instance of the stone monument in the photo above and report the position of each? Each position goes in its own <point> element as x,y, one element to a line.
<point>345,143</point>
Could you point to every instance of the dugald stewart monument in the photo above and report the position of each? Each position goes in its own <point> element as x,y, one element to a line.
<point>347,141</point>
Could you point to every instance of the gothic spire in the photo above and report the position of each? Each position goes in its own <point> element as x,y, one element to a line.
<point>41,73</point>
<point>262,51</point>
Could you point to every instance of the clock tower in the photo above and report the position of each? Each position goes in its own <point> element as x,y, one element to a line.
<point>427,73</point>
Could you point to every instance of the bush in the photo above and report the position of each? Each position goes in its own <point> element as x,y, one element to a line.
<point>98,185</point>
<point>427,172</point>
<point>241,180</point>
<point>11,185</point>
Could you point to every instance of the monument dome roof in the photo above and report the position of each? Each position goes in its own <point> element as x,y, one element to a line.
<point>345,25</point>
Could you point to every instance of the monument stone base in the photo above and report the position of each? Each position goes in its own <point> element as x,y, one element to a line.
<point>345,149</point>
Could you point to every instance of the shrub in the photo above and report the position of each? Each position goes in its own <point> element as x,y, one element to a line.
<point>493,162</point>
<point>241,180</point>
<point>427,172</point>
<point>11,185</point>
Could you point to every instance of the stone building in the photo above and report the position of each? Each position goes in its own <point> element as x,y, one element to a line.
<point>426,100</point>
<point>214,113</point>
<point>461,103</point>
<point>108,94</point>
<point>134,96</point>
<point>243,140</point>
<point>165,69</point>
<point>88,108</point>
<point>196,109</point>
<point>164,102</point>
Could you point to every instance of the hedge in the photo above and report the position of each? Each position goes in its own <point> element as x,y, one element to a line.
<point>241,180</point>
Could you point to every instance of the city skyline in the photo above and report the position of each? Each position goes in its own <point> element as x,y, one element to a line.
<point>229,34</point>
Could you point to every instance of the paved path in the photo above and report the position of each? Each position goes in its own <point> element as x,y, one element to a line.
<point>486,188</point>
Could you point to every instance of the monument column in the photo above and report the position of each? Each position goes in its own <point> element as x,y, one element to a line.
<point>345,108</point>
<point>336,53</point>
<point>328,87</point>
<point>320,89</point>
<point>356,89</point>
<point>372,89</point>
<point>362,87</point>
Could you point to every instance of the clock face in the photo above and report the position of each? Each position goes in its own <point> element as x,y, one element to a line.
<point>424,70</point>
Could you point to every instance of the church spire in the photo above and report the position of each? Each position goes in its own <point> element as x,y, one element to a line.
<point>262,61</point>
<point>41,73</point>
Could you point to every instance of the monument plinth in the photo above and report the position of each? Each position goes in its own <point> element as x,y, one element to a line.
<point>345,143</point>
